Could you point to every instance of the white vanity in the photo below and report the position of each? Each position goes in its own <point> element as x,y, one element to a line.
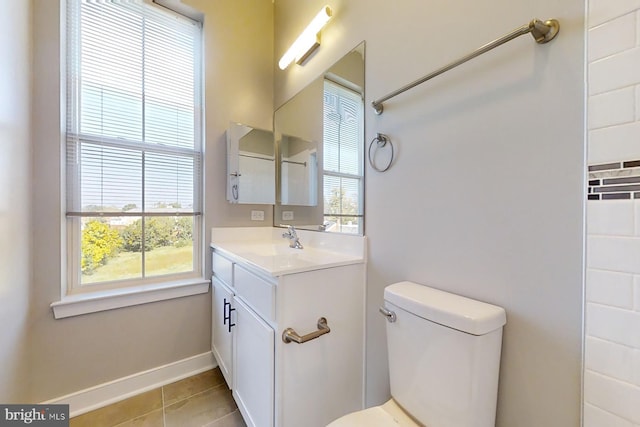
<point>266,293</point>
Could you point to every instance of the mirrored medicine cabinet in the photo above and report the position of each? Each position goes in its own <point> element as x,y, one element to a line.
<point>250,165</point>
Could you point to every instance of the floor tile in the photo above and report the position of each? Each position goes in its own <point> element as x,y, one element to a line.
<point>193,385</point>
<point>234,419</point>
<point>120,412</point>
<point>200,409</point>
<point>152,419</point>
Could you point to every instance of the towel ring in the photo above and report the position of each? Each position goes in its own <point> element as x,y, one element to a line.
<point>381,141</point>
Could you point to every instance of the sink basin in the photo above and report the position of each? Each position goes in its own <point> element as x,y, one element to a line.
<point>265,249</point>
<point>272,249</point>
<point>278,258</point>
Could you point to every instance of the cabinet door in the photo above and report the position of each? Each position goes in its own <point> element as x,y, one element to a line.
<point>223,321</point>
<point>253,366</point>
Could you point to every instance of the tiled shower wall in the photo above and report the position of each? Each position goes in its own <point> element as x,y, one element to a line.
<point>612,342</point>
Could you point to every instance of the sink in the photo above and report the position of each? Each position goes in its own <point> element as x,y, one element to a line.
<point>279,256</point>
<point>273,249</point>
<point>268,251</point>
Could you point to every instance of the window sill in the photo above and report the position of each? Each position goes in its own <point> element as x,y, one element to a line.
<point>75,305</point>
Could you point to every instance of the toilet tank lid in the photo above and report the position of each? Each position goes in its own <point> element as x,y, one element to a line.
<point>455,311</point>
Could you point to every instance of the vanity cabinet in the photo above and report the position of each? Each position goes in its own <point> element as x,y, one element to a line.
<point>254,368</point>
<point>282,384</point>
<point>224,320</point>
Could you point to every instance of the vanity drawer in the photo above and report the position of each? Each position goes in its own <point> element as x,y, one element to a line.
<point>258,293</point>
<point>222,268</point>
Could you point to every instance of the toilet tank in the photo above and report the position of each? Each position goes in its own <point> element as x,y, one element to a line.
<point>444,355</point>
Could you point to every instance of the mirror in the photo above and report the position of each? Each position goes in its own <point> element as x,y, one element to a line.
<point>319,138</point>
<point>298,171</point>
<point>251,172</point>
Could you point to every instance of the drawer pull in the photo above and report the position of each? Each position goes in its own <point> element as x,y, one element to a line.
<point>289,335</point>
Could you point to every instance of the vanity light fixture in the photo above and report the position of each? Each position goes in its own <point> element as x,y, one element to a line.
<point>307,41</point>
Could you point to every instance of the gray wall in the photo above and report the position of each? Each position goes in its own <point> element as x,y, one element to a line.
<point>15,197</point>
<point>238,43</point>
<point>485,198</point>
<point>71,354</point>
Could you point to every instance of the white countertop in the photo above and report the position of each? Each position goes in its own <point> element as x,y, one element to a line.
<point>265,249</point>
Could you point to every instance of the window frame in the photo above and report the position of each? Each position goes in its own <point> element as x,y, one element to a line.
<point>153,288</point>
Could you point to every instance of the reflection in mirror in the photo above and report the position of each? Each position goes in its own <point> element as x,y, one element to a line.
<point>299,171</point>
<point>250,165</point>
<point>319,136</point>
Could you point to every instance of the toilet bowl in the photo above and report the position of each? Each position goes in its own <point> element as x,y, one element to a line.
<point>444,361</point>
<point>387,415</point>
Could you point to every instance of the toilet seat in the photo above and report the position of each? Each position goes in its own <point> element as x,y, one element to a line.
<point>387,415</point>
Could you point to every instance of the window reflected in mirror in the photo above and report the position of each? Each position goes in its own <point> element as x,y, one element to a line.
<point>342,176</point>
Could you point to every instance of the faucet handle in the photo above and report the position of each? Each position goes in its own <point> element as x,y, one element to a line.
<point>290,233</point>
<point>290,229</point>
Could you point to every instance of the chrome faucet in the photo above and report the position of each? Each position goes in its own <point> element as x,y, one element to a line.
<point>293,237</point>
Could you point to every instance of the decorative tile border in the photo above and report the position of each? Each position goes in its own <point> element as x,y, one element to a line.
<point>614,181</point>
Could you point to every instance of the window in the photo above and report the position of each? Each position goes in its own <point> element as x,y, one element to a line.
<point>342,159</point>
<point>133,145</point>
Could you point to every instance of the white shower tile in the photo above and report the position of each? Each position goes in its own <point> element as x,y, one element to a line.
<point>615,72</point>
<point>612,37</point>
<point>612,108</point>
<point>611,217</point>
<point>637,104</point>
<point>601,11</point>
<point>610,288</point>
<point>614,143</point>
<point>637,13</point>
<point>612,395</point>
<point>610,359</point>
<point>636,293</point>
<point>636,211</point>
<point>596,417</point>
<point>636,367</point>
<point>613,324</point>
<point>620,254</point>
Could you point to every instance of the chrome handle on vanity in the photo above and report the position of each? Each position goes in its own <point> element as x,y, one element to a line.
<point>289,335</point>
<point>390,315</point>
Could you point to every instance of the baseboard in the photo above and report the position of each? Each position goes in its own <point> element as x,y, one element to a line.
<point>110,392</point>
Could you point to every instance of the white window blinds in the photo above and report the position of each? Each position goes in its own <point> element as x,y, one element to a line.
<point>342,129</point>
<point>342,158</point>
<point>133,110</point>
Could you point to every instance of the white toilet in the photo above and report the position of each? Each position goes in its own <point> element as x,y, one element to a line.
<point>444,361</point>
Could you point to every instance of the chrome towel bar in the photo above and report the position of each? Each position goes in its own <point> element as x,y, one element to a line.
<point>289,335</point>
<point>542,32</point>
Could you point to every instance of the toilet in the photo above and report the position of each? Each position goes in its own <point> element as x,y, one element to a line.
<point>444,361</point>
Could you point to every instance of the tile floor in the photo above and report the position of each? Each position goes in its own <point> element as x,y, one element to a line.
<point>203,400</point>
